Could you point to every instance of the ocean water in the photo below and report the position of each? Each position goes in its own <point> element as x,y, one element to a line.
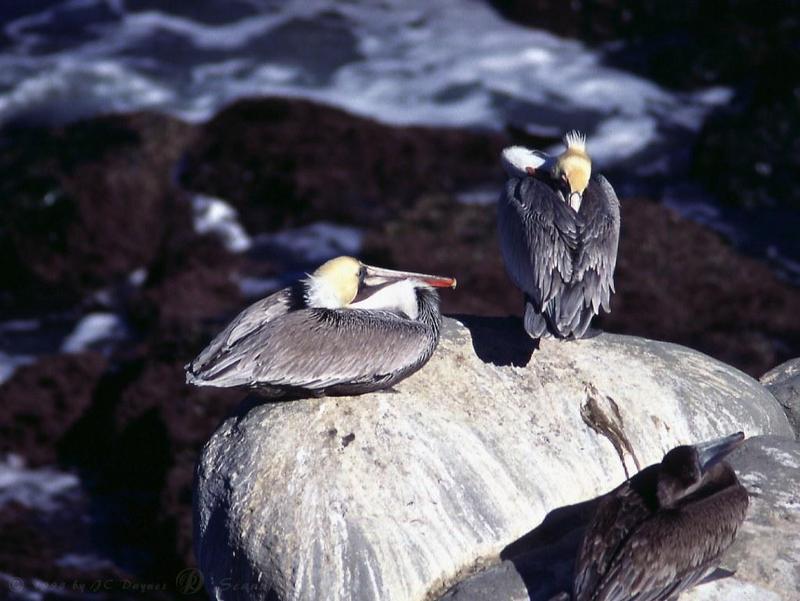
<point>449,62</point>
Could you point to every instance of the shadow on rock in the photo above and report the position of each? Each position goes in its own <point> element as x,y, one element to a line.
<point>537,566</point>
<point>499,340</point>
<point>545,556</point>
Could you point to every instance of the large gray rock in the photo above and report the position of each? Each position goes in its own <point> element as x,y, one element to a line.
<point>765,556</point>
<point>397,495</point>
<point>784,382</point>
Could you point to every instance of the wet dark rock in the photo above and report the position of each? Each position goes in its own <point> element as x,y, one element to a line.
<point>137,445</point>
<point>285,162</point>
<point>189,416</point>
<point>83,205</point>
<point>437,234</point>
<point>676,281</point>
<point>49,549</point>
<point>190,280</point>
<point>680,282</point>
<point>43,401</point>
<point>748,154</point>
<point>681,44</point>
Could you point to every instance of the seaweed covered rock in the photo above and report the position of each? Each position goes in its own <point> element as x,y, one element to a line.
<point>398,494</point>
<point>284,162</point>
<point>85,204</point>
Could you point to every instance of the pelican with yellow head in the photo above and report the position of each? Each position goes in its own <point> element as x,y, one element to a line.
<point>559,232</point>
<point>348,328</point>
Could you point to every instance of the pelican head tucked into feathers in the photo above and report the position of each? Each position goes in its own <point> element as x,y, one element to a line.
<point>559,231</point>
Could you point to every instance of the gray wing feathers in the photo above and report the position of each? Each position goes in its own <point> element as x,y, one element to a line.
<point>319,348</point>
<point>597,254</point>
<point>250,320</point>
<point>535,321</point>
<point>564,261</point>
<point>538,238</point>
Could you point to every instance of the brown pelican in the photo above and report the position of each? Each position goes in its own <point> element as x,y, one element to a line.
<point>665,529</point>
<point>348,328</point>
<point>559,230</point>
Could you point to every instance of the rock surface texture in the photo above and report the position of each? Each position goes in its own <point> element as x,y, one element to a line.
<point>784,382</point>
<point>401,494</point>
<point>764,556</point>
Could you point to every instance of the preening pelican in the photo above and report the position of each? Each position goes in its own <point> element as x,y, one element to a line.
<point>348,328</point>
<point>665,529</point>
<point>559,232</point>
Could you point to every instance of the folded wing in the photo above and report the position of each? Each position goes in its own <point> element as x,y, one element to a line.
<point>324,350</point>
<point>539,235</point>
<point>599,240</point>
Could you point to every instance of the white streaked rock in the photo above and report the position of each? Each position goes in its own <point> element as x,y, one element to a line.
<point>764,557</point>
<point>397,495</point>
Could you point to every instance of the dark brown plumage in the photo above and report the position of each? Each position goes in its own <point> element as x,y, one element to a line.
<point>665,529</point>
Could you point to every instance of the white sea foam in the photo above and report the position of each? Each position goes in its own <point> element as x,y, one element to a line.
<point>400,61</point>
<point>622,137</point>
<point>301,250</point>
<point>39,488</point>
<point>789,267</point>
<point>482,196</point>
<point>137,277</point>
<point>84,561</point>
<point>313,243</point>
<point>214,215</point>
<point>20,325</point>
<point>93,329</point>
<point>10,363</point>
<point>252,287</point>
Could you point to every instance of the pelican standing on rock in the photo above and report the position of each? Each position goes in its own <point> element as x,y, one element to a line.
<point>559,231</point>
<point>348,328</point>
<point>665,529</point>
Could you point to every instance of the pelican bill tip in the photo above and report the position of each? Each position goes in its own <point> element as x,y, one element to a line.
<point>441,282</point>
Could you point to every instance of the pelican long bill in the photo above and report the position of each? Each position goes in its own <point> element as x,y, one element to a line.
<point>712,452</point>
<point>379,275</point>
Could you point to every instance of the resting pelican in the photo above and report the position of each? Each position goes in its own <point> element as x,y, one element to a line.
<point>559,230</point>
<point>348,328</point>
<point>665,529</point>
